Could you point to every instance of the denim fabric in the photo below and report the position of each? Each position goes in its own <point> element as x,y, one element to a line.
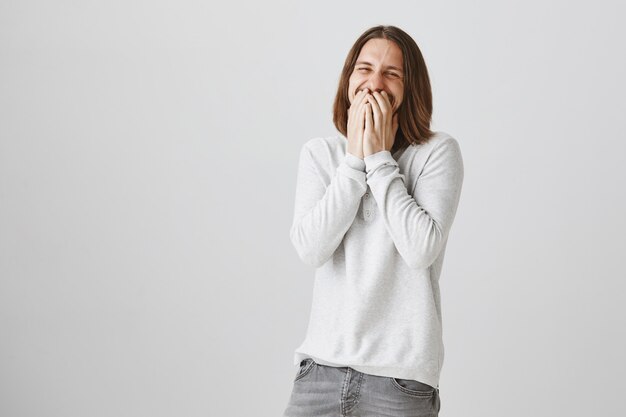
<point>320,391</point>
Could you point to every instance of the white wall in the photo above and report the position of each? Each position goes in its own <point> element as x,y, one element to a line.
<point>148,153</point>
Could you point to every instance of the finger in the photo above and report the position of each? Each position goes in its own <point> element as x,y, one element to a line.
<point>386,97</point>
<point>355,107</point>
<point>362,103</point>
<point>361,98</point>
<point>376,110</point>
<point>388,100</point>
<point>384,106</point>
<point>356,97</point>
<point>361,119</point>
<point>368,117</point>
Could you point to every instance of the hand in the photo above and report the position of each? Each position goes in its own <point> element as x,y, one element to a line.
<point>380,124</point>
<point>356,124</point>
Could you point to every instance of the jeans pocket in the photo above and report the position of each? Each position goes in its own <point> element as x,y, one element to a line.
<point>305,367</point>
<point>412,387</point>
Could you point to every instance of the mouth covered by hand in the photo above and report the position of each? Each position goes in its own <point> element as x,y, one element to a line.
<point>391,98</point>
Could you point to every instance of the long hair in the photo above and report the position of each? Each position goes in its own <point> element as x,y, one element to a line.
<point>415,111</point>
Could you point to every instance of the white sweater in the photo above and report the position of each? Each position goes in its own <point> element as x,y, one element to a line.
<point>376,232</point>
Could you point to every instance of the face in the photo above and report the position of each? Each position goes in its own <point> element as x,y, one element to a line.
<point>379,67</point>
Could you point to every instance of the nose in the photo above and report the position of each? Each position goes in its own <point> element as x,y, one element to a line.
<point>375,82</point>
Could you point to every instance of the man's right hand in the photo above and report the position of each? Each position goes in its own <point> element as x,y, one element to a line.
<point>356,124</point>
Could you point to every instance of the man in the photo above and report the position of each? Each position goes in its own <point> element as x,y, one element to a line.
<point>373,210</point>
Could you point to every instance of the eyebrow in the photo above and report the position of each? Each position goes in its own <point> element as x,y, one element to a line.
<point>388,66</point>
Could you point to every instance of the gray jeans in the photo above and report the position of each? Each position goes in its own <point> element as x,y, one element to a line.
<point>325,391</point>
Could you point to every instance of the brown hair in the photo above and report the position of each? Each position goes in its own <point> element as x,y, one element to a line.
<point>415,111</point>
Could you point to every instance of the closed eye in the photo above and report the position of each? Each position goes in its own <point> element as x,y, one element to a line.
<point>388,73</point>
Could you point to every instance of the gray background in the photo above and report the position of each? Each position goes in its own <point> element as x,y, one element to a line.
<point>148,153</point>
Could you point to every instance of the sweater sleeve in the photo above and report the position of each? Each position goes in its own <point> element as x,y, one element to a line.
<point>419,223</point>
<point>323,212</point>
